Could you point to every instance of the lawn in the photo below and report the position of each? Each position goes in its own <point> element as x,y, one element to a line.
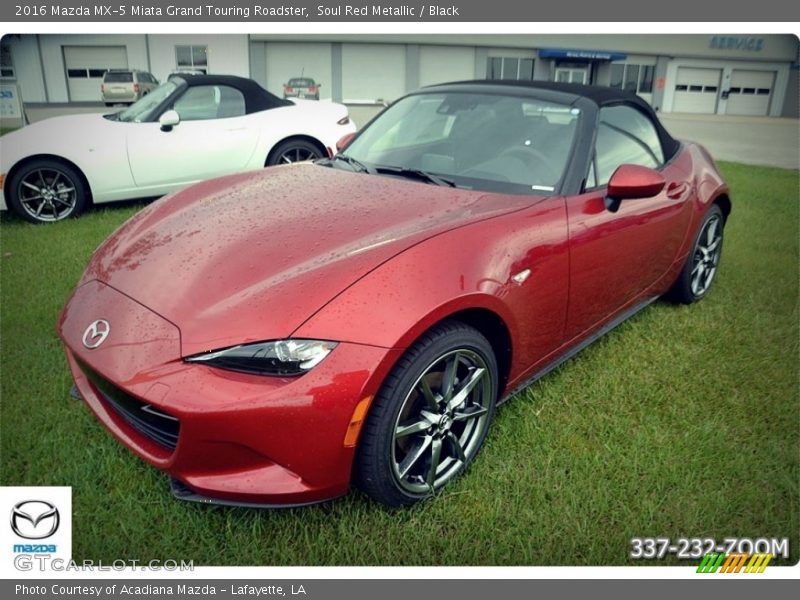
<point>683,422</point>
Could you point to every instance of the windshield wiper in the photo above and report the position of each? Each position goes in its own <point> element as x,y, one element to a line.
<point>417,174</point>
<point>355,163</point>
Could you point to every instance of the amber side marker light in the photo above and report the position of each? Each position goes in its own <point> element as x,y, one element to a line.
<point>356,421</point>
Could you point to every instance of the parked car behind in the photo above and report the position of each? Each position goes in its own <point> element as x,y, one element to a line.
<point>190,128</point>
<point>301,87</point>
<point>126,86</point>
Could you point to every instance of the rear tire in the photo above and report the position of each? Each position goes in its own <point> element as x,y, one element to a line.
<point>292,151</point>
<point>46,191</point>
<point>430,418</point>
<point>701,266</point>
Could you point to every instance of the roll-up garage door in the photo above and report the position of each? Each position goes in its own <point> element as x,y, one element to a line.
<point>86,66</point>
<point>372,72</point>
<point>696,90</point>
<point>438,64</point>
<point>750,92</point>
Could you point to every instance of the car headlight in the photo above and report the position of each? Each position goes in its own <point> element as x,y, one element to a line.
<point>280,357</point>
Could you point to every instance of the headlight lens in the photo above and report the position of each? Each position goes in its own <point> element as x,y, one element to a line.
<point>280,357</point>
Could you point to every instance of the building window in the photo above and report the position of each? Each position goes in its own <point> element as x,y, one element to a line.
<point>191,58</point>
<point>6,63</point>
<point>632,78</point>
<point>503,67</point>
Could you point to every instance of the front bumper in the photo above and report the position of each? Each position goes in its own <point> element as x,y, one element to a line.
<point>243,439</point>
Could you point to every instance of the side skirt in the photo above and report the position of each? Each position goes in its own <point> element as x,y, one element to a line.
<point>557,362</point>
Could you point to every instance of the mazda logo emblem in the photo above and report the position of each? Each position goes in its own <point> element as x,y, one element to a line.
<point>96,334</point>
<point>34,519</point>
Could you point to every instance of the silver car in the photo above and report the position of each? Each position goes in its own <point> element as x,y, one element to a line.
<point>126,86</point>
<point>301,87</point>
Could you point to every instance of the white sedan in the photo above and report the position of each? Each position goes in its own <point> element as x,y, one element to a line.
<point>191,128</point>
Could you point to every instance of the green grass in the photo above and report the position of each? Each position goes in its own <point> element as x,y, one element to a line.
<point>685,421</point>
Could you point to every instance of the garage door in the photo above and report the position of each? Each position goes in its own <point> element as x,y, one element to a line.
<point>750,92</point>
<point>85,67</point>
<point>438,64</point>
<point>372,72</point>
<point>696,90</point>
<point>287,60</point>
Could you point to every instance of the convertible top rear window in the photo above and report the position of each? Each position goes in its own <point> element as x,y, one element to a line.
<point>118,77</point>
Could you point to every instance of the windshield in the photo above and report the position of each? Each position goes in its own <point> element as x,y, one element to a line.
<point>480,141</point>
<point>301,82</point>
<point>142,110</point>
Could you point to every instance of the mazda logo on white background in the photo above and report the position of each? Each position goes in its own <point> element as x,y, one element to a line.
<point>96,333</point>
<point>34,519</point>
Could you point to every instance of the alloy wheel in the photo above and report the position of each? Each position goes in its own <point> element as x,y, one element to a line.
<point>442,421</point>
<point>47,194</point>
<point>296,154</point>
<point>706,256</point>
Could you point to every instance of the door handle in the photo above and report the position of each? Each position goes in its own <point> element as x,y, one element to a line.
<point>677,190</point>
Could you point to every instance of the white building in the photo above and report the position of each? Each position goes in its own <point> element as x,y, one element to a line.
<point>723,74</point>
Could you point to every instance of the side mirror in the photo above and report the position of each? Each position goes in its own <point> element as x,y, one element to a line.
<point>344,141</point>
<point>169,120</point>
<point>632,181</point>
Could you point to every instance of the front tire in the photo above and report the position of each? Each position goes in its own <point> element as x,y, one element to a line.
<point>430,418</point>
<point>292,151</point>
<point>701,266</point>
<point>46,191</point>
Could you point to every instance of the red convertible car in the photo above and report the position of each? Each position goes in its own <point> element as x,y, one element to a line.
<point>271,337</point>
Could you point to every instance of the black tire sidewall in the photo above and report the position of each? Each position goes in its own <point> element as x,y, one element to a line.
<point>81,196</point>
<point>281,149</point>
<point>374,457</point>
<point>682,290</point>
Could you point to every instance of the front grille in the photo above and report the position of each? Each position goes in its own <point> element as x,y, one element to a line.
<point>151,422</point>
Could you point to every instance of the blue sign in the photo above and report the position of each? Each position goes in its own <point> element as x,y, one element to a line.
<point>736,42</point>
<point>581,54</point>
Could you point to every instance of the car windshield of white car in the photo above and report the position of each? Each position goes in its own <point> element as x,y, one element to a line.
<point>142,110</point>
<point>511,144</point>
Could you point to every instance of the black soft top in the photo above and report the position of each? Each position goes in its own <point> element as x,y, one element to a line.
<point>569,93</point>
<point>256,98</point>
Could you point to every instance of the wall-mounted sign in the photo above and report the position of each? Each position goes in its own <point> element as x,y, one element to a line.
<point>10,104</point>
<point>736,42</point>
<point>11,113</point>
<point>580,54</point>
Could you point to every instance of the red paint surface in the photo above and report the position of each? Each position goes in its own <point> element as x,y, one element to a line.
<point>371,262</point>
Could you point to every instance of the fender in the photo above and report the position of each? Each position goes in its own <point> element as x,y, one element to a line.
<point>533,239</point>
<point>708,187</point>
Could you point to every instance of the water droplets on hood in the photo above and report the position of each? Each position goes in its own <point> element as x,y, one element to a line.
<point>231,248</point>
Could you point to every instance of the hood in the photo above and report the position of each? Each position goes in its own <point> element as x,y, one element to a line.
<point>250,257</point>
<point>57,135</point>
